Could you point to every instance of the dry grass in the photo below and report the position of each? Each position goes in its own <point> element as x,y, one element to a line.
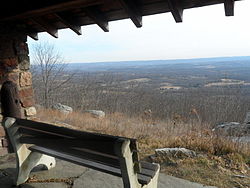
<point>220,171</point>
<point>219,159</point>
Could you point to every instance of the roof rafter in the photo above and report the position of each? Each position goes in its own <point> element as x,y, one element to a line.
<point>33,35</point>
<point>46,26</point>
<point>98,17</point>
<point>69,23</point>
<point>176,10</point>
<point>132,11</point>
<point>31,32</point>
<point>229,7</point>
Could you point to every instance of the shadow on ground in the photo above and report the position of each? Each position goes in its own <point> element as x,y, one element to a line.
<point>68,175</point>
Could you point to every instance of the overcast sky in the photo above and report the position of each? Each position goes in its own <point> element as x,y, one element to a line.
<point>205,32</point>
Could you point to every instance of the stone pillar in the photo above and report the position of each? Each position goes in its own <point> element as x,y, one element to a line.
<point>14,66</point>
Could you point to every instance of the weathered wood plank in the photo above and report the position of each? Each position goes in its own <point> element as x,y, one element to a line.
<point>74,151</point>
<point>77,160</point>
<point>147,165</point>
<point>92,141</point>
<point>147,172</point>
<point>103,147</point>
<point>143,179</point>
<point>66,131</point>
<point>40,133</point>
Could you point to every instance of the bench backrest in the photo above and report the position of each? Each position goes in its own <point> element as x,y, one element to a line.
<point>100,148</point>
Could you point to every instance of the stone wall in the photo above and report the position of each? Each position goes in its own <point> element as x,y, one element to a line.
<point>14,66</point>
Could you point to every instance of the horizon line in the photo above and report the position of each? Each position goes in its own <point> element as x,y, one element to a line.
<point>174,59</point>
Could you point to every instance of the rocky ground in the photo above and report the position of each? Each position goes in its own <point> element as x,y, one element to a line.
<point>68,175</point>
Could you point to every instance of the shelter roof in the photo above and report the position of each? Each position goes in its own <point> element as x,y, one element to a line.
<point>51,15</point>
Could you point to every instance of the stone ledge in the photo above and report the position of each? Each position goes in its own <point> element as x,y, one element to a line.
<point>27,102</point>
<point>25,79</point>
<point>31,111</point>
<point>26,92</point>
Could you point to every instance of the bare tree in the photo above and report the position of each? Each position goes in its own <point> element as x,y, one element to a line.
<point>49,71</point>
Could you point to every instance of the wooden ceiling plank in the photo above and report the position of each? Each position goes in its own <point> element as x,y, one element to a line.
<point>132,11</point>
<point>176,10</point>
<point>46,26</point>
<point>229,7</point>
<point>98,17</point>
<point>40,11</point>
<point>68,23</point>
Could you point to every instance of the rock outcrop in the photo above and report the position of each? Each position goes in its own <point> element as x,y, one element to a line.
<point>233,129</point>
<point>239,132</point>
<point>62,108</point>
<point>96,113</point>
<point>247,118</point>
<point>174,153</point>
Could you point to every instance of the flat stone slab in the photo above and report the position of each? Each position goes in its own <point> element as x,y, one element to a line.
<point>96,179</point>
<point>63,170</point>
<point>44,185</point>
<point>68,175</point>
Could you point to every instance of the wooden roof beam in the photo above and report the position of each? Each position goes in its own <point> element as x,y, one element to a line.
<point>33,35</point>
<point>31,32</point>
<point>98,17</point>
<point>132,11</point>
<point>229,7</point>
<point>69,23</point>
<point>46,26</point>
<point>176,10</point>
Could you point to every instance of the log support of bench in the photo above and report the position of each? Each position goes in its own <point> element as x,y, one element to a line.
<point>129,176</point>
<point>26,159</point>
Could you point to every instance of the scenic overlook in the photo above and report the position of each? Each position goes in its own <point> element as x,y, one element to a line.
<point>125,93</point>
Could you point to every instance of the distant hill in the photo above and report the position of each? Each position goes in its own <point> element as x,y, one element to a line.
<point>240,61</point>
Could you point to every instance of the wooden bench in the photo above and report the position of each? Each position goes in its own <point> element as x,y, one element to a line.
<point>38,143</point>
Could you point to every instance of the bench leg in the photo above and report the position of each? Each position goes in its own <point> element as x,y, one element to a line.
<point>26,160</point>
<point>154,181</point>
<point>48,161</point>
<point>129,176</point>
<point>32,160</point>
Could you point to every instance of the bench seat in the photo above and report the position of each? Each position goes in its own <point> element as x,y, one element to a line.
<point>148,170</point>
<point>38,143</point>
